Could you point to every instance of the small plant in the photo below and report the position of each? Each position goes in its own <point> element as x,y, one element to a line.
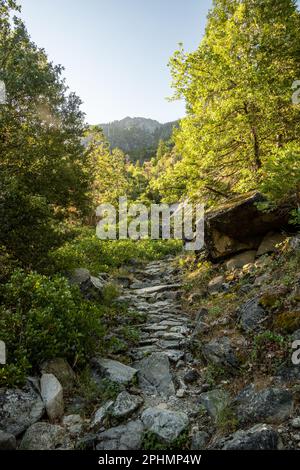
<point>93,393</point>
<point>226,420</point>
<point>109,293</point>
<point>214,373</point>
<point>152,442</point>
<point>269,351</point>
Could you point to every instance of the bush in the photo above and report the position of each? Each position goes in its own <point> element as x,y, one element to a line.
<point>42,318</point>
<point>87,251</point>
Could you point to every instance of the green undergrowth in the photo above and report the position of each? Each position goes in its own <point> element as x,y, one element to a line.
<point>152,442</point>
<point>87,251</point>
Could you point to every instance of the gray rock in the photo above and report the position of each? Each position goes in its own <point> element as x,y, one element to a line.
<point>191,376</point>
<point>220,352</point>
<point>154,375</point>
<point>270,405</point>
<point>43,436</point>
<point>90,286</point>
<point>62,371</point>
<point>7,441</point>
<point>19,409</point>
<point>114,370</point>
<point>126,404</point>
<point>161,288</point>
<point>79,276</point>
<point>52,394</point>
<point>166,424</point>
<point>269,243</point>
<point>288,374</point>
<point>174,355</point>
<point>296,336</point>
<point>126,437</point>
<point>73,423</point>
<point>101,414</point>
<point>238,261</point>
<point>199,440</point>
<point>251,315</point>
<point>259,437</point>
<point>215,401</point>
<point>216,284</point>
<point>295,423</point>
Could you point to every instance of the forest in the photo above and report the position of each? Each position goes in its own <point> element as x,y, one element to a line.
<point>79,311</point>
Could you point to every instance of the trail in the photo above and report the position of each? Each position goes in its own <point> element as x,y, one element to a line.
<point>166,381</point>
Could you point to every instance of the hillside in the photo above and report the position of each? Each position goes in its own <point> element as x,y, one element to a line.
<point>138,136</point>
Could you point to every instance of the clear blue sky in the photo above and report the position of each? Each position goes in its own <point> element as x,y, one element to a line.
<point>115,52</point>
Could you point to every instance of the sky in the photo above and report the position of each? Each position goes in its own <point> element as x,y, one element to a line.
<point>115,52</point>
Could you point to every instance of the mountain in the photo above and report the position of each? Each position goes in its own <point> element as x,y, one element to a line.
<point>138,137</point>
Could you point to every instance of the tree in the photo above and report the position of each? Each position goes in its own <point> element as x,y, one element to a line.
<point>41,153</point>
<point>108,170</point>
<point>237,88</point>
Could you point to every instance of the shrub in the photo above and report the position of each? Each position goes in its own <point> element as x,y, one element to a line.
<point>87,251</point>
<point>42,318</point>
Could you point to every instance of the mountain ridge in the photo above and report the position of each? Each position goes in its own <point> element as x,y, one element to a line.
<point>137,136</point>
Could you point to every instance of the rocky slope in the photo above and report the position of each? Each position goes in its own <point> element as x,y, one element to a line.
<point>211,367</point>
<point>191,382</point>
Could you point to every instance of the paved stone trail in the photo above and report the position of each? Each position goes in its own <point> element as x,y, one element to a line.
<point>161,359</point>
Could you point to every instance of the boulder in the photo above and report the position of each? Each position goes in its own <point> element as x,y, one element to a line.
<point>114,370</point>
<point>165,424</point>
<point>126,404</point>
<point>52,394</point>
<point>269,405</point>
<point>259,437</point>
<point>251,315</point>
<point>90,286</point>
<point>216,284</point>
<point>215,401</point>
<point>295,423</point>
<point>62,371</point>
<point>199,440</point>
<point>80,276</point>
<point>73,423</point>
<point>154,375</point>
<point>19,409</point>
<point>270,242</point>
<point>238,225</point>
<point>44,436</point>
<point>241,260</point>
<point>191,376</point>
<point>220,352</point>
<point>125,437</point>
<point>7,441</point>
<point>101,414</point>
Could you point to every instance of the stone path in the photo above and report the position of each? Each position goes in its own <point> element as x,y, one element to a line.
<point>166,380</point>
<point>157,293</point>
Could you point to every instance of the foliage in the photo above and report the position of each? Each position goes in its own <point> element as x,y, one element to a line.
<point>269,351</point>
<point>287,322</point>
<point>281,173</point>
<point>93,393</point>
<point>42,318</point>
<point>42,158</point>
<point>87,251</point>
<point>152,442</point>
<point>236,121</point>
<point>226,420</point>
